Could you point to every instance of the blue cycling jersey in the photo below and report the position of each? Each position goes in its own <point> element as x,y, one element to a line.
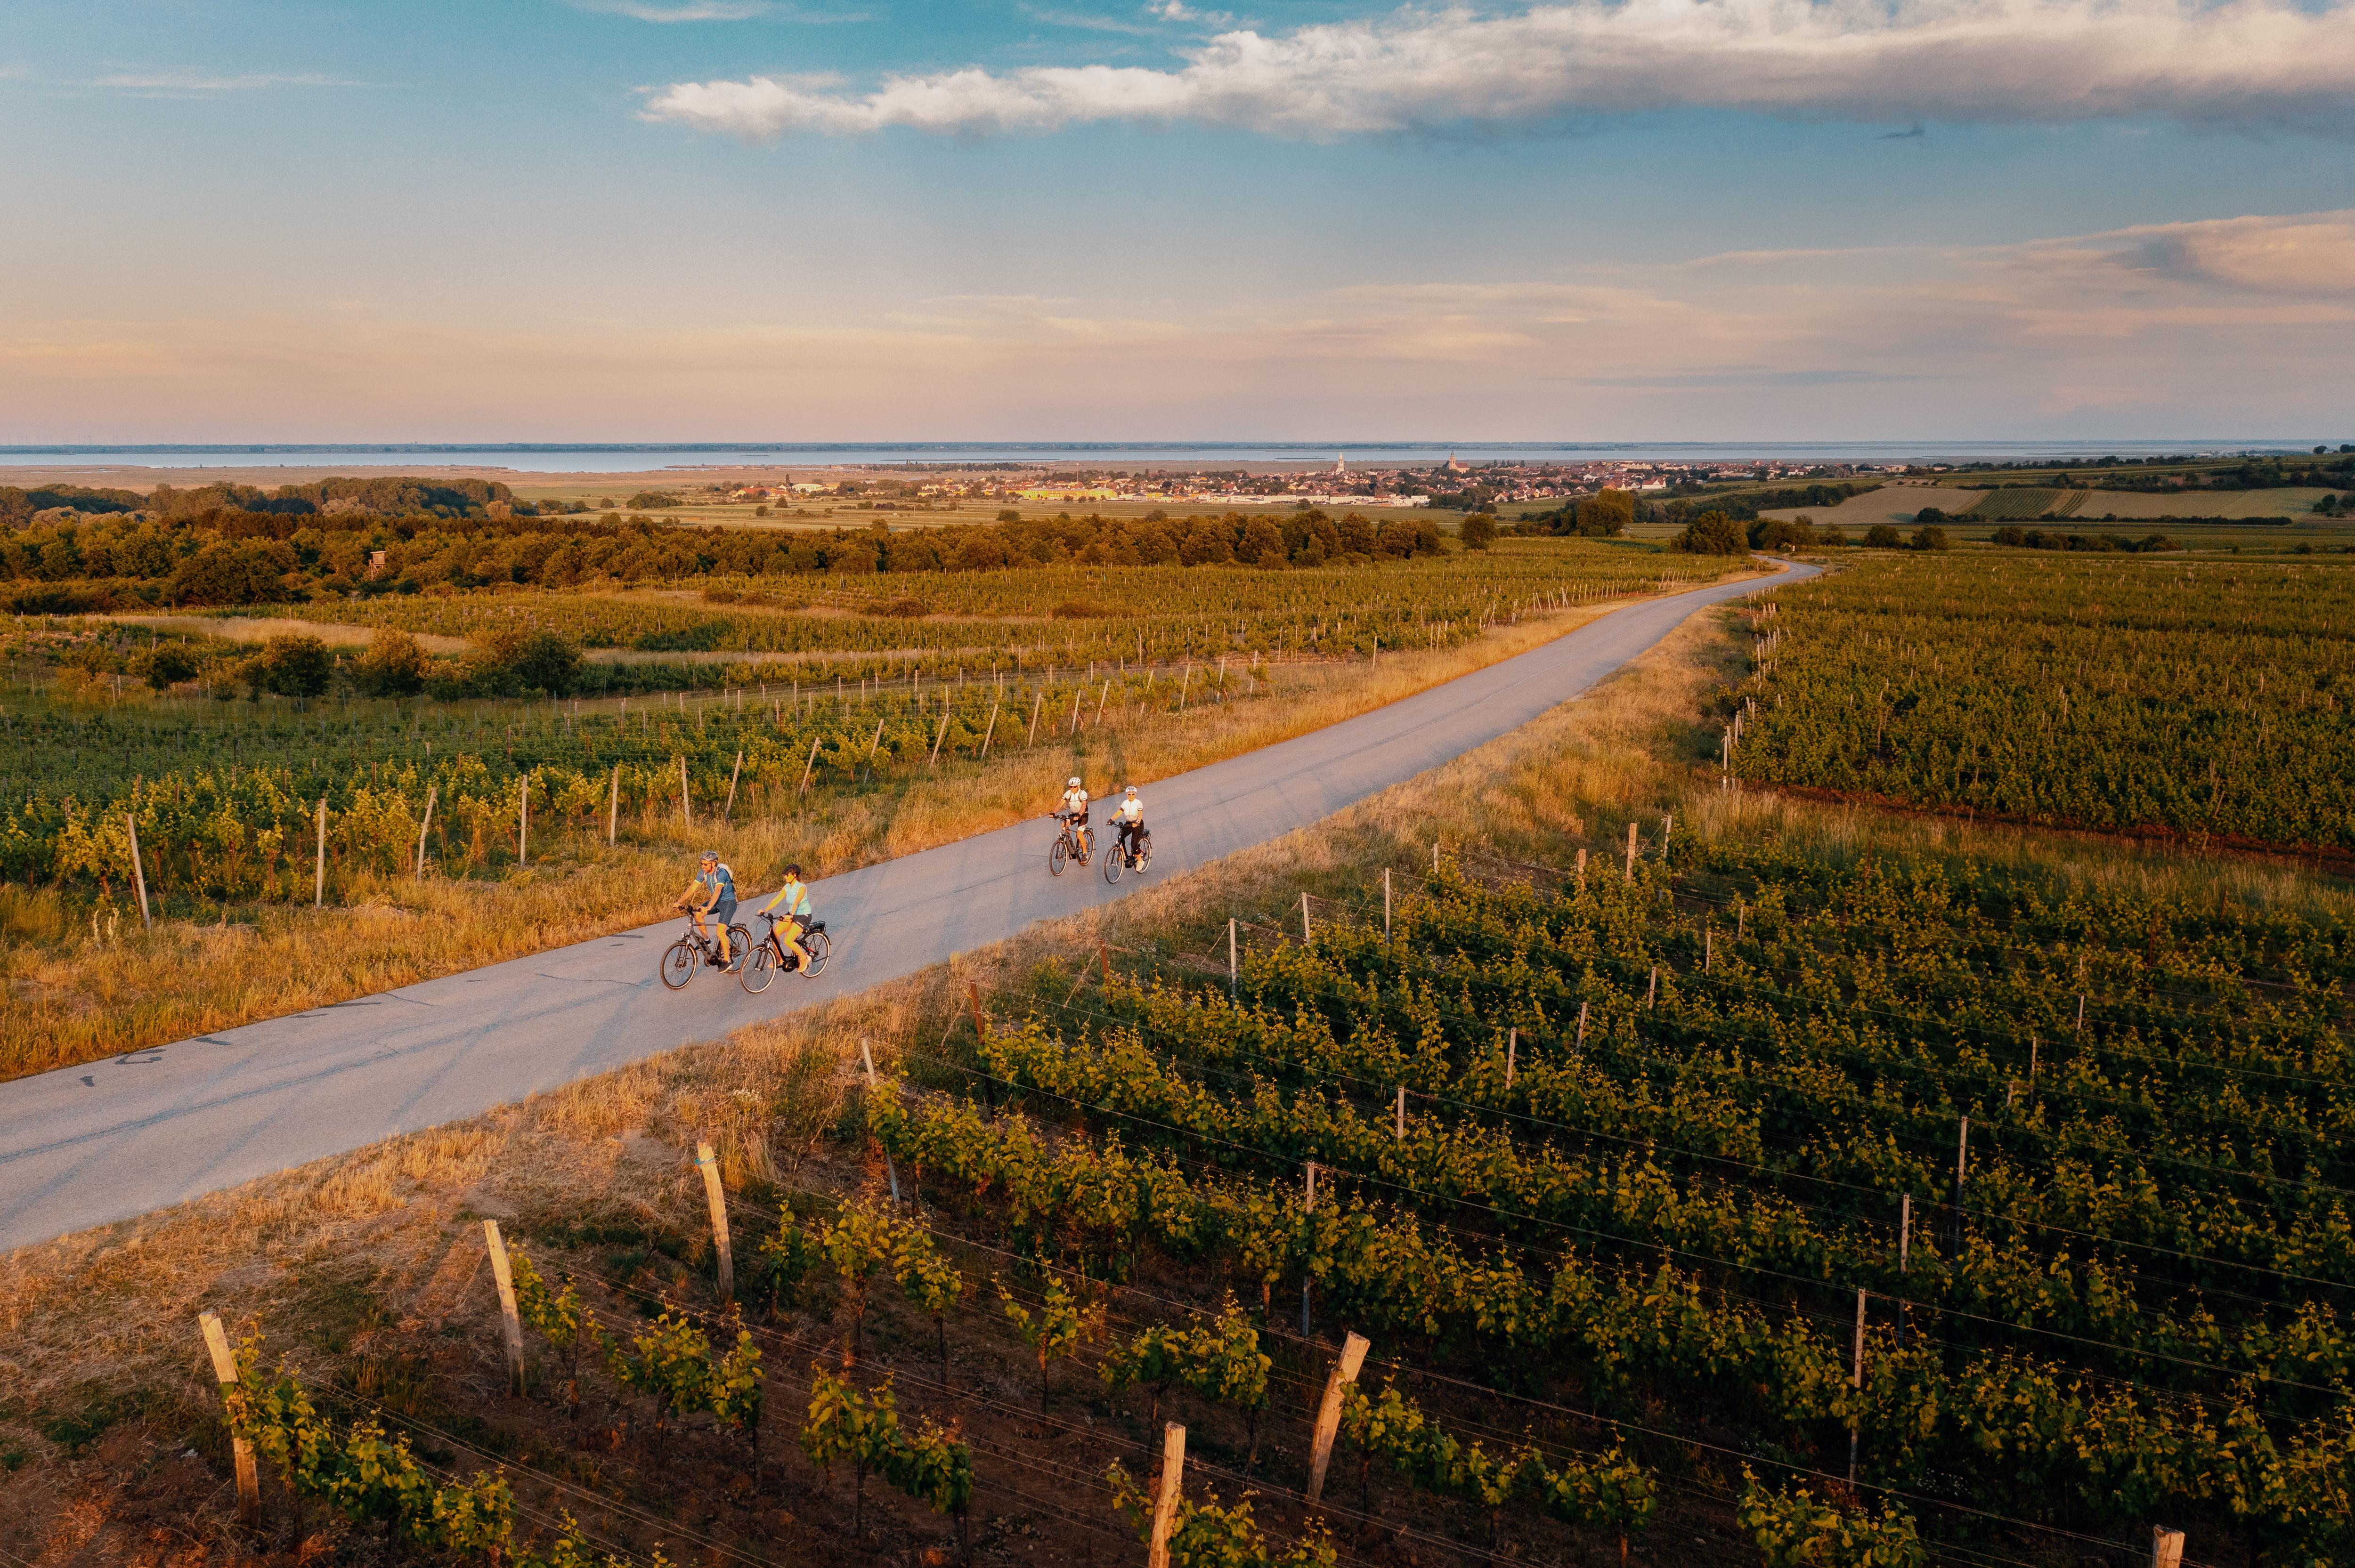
<point>720,880</point>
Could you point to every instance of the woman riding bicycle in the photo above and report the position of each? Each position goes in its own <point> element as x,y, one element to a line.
<point>1074,808</point>
<point>795,896</point>
<point>712,893</point>
<point>1129,818</point>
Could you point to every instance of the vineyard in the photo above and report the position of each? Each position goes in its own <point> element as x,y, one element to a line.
<point>1705,1205</point>
<point>2014,502</point>
<point>2202,701</point>
<point>225,798</point>
<point>939,622</point>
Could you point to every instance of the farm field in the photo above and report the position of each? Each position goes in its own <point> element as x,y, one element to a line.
<point>1603,1162</point>
<point>2198,700</point>
<point>461,829</point>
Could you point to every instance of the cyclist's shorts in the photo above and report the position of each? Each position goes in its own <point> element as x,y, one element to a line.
<point>724,911</point>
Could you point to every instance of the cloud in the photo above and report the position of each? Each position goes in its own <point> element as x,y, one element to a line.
<point>197,83</point>
<point>1915,134</point>
<point>1082,20</point>
<point>676,10</point>
<point>2250,64</point>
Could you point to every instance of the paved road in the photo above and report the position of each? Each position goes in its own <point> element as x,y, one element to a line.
<point>88,1145</point>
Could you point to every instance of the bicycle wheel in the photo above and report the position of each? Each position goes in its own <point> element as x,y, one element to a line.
<point>680,961</point>
<point>1111,863</point>
<point>739,942</point>
<point>759,970</point>
<point>819,947</point>
<point>1058,856</point>
<point>1144,853</point>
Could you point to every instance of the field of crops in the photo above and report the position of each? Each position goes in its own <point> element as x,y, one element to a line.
<point>2013,502</point>
<point>1698,1176</point>
<point>2198,699</point>
<point>937,621</point>
<point>226,794</point>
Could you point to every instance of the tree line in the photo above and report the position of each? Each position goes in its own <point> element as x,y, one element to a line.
<point>234,557</point>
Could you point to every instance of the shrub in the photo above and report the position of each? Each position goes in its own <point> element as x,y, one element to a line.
<point>1930,536</point>
<point>293,665</point>
<point>393,666</point>
<point>168,663</point>
<point>230,571</point>
<point>1881,536</point>
<point>1479,531</point>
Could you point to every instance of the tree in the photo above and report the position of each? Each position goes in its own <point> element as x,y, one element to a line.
<point>1262,544</point>
<point>1605,514</point>
<point>170,662</point>
<point>1208,542</point>
<point>1478,532</point>
<point>546,661</point>
<point>1711,534</point>
<point>1007,514</point>
<point>1881,536</point>
<point>1930,536</point>
<point>1778,534</point>
<point>230,571</point>
<point>1357,534</point>
<point>393,666</point>
<point>292,665</point>
<point>2010,535</point>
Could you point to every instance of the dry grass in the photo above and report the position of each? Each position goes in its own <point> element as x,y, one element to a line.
<point>121,990</point>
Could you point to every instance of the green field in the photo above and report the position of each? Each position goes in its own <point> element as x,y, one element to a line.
<point>2200,700</point>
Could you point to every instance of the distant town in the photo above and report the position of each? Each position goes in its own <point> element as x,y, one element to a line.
<point>1454,484</point>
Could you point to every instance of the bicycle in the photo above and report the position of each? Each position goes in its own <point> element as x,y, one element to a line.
<point>1073,845</point>
<point>693,950</point>
<point>768,955</point>
<point>1122,859</point>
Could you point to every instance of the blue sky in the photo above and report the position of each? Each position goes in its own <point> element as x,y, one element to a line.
<point>1736,219</point>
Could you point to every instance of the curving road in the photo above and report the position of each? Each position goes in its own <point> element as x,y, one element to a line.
<point>85,1146</point>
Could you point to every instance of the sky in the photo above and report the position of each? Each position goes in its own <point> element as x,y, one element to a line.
<point>812,220</point>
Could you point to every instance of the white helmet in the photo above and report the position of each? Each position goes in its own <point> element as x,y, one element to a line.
<point>1132,789</point>
<point>1075,781</point>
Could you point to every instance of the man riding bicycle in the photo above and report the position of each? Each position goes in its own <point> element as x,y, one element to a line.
<point>795,896</point>
<point>1073,807</point>
<point>1129,816</point>
<point>712,893</point>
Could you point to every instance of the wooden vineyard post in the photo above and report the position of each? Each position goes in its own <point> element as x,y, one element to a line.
<point>1667,831</point>
<point>1962,1162</point>
<point>1904,1255</point>
<point>1652,991</point>
<point>319,876</point>
<point>510,1321</point>
<point>716,1197</point>
<point>1512,1043</point>
<point>432,792</point>
<point>1304,939</point>
<point>2166,1547</point>
<point>940,735</point>
<point>1102,697</point>
<point>1386,904</point>
<point>138,872</point>
<point>686,811</point>
<point>1582,871</point>
<point>1165,1503</point>
<point>613,806</point>
<point>1184,683</point>
<point>1434,857</point>
<point>249,1479</point>
<point>1631,852</point>
<point>867,1058</point>
<point>1328,1414</point>
<point>1708,948</point>
<point>1399,1135</point>
<point>1037,702</point>
<point>728,813</point>
<point>876,742</point>
<point>1230,958</point>
<point>1308,1206</point>
<point>986,733</point>
<point>523,819</point>
<point>809,765</point>
<point>1856,1381</point>
<point>1075,716</point>
<point>1581,1027</point>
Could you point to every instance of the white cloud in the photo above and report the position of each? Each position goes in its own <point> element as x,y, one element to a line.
<point>198,83</point>
<point>2262,64</point>
<point>676,10</point>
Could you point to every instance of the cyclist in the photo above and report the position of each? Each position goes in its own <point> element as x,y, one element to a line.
<point>1073,807</point>
<point>712,893</point>
<point>795,896</point>
<point>1129,816</point>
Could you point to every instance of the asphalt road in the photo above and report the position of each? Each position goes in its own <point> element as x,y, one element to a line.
<point>88,1145</point>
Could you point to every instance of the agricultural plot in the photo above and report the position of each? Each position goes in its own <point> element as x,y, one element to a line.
<point>2198,700</point>
<point>935,621</point>
<point>2013,504</point>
